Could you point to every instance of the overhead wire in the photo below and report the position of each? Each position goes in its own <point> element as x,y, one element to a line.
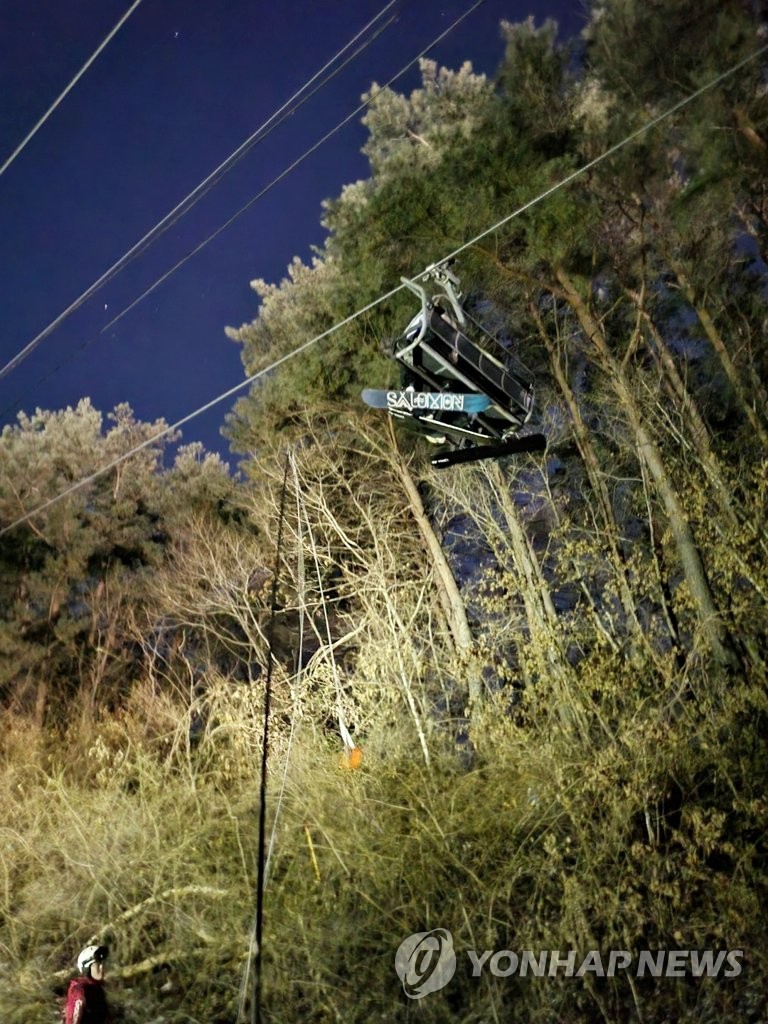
<point>206,187</point>
<point>30,135</point>
<point>540,197</point>
<point>267,188</point>
<point>262,132</point>
<point>77,485</point>
<point>284,173</point>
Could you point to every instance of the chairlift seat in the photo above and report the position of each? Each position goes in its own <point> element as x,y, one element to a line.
<point>445,359</point>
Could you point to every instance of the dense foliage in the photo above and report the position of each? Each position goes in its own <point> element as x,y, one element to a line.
<point>556,666</point>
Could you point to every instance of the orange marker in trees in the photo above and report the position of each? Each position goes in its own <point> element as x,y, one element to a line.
<point>351,758</point>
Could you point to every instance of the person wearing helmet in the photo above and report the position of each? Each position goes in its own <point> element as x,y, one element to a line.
<point>86,998</point>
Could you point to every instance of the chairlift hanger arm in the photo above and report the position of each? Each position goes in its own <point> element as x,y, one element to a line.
<point>449,284</point>
<point>417,289</point>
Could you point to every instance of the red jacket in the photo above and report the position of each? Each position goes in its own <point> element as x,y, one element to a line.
<point>86,1002</point>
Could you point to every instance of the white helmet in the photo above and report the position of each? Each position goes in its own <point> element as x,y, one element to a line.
<point>91,955</point>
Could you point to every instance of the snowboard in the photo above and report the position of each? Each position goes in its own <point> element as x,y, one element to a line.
<point>515,445</point>
<point>425,401</point>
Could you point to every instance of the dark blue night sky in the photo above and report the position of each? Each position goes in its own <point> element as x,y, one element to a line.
<point>178,89</point>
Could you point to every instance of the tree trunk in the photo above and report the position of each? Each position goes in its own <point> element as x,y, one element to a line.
<point>698,430</point>
<point>543,622</point>
<point>595,476</point>
<point>709,618</point>
<point>450,596</point>
<point>715,339</point>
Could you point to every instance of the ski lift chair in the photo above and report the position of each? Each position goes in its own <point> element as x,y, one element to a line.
<point>435,354</point>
